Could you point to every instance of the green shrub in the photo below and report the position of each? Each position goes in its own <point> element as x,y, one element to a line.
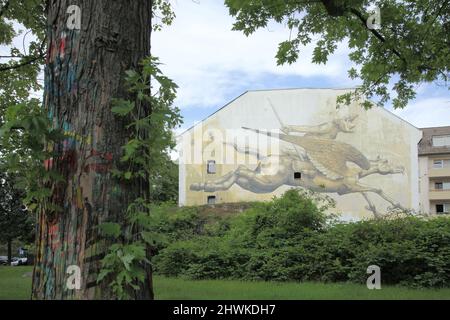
<point>291,239</point>
<point>176,258</point>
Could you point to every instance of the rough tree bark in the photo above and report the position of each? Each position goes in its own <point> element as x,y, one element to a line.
<point>84,71</point>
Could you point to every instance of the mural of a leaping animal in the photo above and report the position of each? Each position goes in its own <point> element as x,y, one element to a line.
<point>323,167</point>
<point>323,163</point>
<point>330,158</point>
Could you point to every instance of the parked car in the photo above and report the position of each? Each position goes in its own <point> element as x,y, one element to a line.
<point>19,261</point>
<point>3,260</point>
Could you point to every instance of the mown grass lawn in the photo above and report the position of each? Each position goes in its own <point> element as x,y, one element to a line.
<point>171,289</point>
<point>15,283</point>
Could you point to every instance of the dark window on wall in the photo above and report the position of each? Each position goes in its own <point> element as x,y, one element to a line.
<point>438,185</point>
<point>211,167</point>
<point>439,208</point>
<point>297,175</point>
<point>211,199</point>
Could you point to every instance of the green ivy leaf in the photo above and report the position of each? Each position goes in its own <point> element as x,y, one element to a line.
<point>127,259</point>
<point>110,229</point>
<point>122,107</point>
<point>128,175</point>
<point>103,273</point>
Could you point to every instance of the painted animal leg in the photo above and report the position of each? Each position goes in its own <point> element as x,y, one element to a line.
<point>371,207</point>
<point>395,204</point>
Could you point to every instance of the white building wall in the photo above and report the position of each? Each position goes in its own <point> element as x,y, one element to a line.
<point>424,183</point>
<point>378,134</point>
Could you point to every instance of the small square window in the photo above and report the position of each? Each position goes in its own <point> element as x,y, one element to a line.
<point>438,185</point>
<point>211,199</point>
<point>297,175</point>
<point>211,167</point>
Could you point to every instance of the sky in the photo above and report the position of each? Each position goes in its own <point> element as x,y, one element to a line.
<point>212,65</point>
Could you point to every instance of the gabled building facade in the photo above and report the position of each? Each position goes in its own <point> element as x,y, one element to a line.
<point>266,142</point>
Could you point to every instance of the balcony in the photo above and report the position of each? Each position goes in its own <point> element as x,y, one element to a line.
<point>439,194</point>
<point>438,173</point>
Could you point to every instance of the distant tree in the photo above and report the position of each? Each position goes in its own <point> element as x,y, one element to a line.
<point>410,46</point>
<point>15,221</point>
<point>165,182</point>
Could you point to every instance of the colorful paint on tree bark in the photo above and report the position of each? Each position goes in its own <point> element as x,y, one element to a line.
<point>85,69</point>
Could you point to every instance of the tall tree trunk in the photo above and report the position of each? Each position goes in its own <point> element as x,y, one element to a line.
<point>9,251</point>
<point>84,71</point>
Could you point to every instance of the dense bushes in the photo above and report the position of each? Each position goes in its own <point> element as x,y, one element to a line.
<point>291,239</point>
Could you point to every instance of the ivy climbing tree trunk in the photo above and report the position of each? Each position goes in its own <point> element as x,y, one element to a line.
<point>85,70</point>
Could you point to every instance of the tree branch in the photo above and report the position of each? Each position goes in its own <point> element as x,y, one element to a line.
<point>22,64</point>
<point>4,8</point>
<point>28,61</point>
<point>339,9</point>
<point>10,57</point>
<point>375,32</point>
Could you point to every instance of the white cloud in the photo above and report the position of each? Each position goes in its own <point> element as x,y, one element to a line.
<point>427,112</point>
<point>208,60</point>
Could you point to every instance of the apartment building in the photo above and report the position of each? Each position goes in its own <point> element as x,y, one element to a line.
<point>434,170</point>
